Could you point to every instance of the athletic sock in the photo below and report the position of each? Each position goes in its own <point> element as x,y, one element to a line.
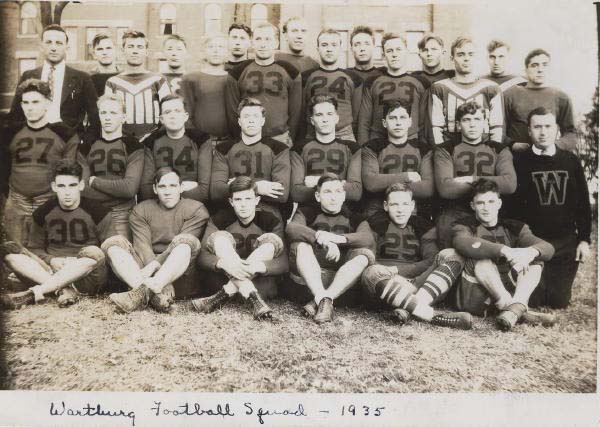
<point>440,280</point>
<point>395,292</point>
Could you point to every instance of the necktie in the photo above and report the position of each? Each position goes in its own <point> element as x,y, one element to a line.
<point>51,80</point>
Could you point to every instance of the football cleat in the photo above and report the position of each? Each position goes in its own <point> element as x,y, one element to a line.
<point>455,320</point>
<point>16,300</point>
<point>325,311</point>
<point>135,299</point>
<point>14,284</point>
<point>66,297</point>
<point>261,309</point>
<point>510,316</point>
<point>401,315</point>
<point>162,301</point>
<point>209,304</point>
<point>310,309</point>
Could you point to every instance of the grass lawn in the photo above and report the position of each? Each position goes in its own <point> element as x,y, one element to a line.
<point>90,347</point>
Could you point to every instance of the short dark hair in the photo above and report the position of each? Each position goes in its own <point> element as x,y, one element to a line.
<point>170,97</point>
<point>250,102</point>
<point>329,31</point>
<point>67,167</point>
<point>165,170</point>
<point>284,29</point>
<point>176,37</point>
<point>134,34</point>
<point>326,177</point>
<point>362,29</point>
<point>427,37</point>
<point>495,44</point>
<point>484,185</point>
<point>55,27</point>
<point>98,38</point>
<point>390,36</point>
<point>391,104</point>
<point>397,186</point>
<point>471,107</point>
<point>242,183</point>
<point>460,42</point>
<point>34,85</point>
<point>236,26</point>
<point>539,111</point>
<point>320,99</point>
<point>535,52</point>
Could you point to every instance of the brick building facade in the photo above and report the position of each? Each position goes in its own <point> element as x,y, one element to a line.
<point>19,38</point>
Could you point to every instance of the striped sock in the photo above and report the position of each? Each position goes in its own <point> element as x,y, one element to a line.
<point>439,282</point>
<point>394,291</point>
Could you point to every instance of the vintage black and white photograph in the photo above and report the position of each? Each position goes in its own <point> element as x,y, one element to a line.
<point>299,197</point>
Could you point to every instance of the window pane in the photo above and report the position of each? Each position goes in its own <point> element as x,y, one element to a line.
<point>258,15</point>
<point>412,40</point>
<point>29,10</point>
<point>378,50</point>
<point>168,12</point>
<point>72,44</point>
<point>26,64</point>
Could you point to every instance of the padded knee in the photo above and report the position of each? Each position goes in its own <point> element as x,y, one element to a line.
<point>372,276</point>
<point>272,238</point>
<point>119,241</point>
<point>187,239</point>
<point>220,234</point>
<point>449,254</point>
<point>92,252</point>
<point>368,253</point>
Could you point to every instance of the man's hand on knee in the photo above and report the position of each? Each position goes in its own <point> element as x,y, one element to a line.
<point>57,263</point>
<point>150,269</point>
<point>255,268</point>
<point>235,268</point>
<point>333,252</point>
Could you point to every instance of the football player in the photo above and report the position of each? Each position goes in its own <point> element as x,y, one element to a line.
<point>330,248</point>
<point>275,83</point>
<point>104,53</point>
<point>28,152</point>
<point>242,252</point>
<point>497,58</point>
<point>362,42</point>
<point>519,101</point>
<point>113,164</point>
<point>449,94</point>
<point>295,31</point>
<point>329,79</point>
<point>204,90</point>
<point>396,159</point>
<point>504,259</point>
<point>411,274</point>
<point>63,255</point>
<point>141,90</point>
<point>160,264</point>
<point>552,197</point>
<point>239,41</point>
<point>460,162</point>
<point>325,153</point>
<point>265,160</point>
<point>394,83</point>
<point>175,52</point>
<point>187,150</point>
<point>432,51</point>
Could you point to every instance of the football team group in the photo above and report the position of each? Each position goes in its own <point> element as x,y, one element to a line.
<point>266,173</point>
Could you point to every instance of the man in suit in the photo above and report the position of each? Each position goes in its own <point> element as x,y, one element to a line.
<point>73,93</point>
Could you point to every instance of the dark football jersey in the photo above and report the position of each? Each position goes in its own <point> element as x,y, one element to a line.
<point>301,62</point>
<point>277,86</point>
<point>117,166</point>
<point>191,155</point>
<point>384,163</point>
<point>174,80</point>
<point>313,158</point>
<point>29,155</point>
<point>344,85</point>
<point>430,79</point>
<point>411,248</point>
<point>474,240</point>
<point>506,81</point>
<point>376,90</point>
<point>204,96</point>
<point>266,159</point>
<point>486,159</point>
<point>56,232</point>
<point>365,74</point>
<point>447,95</point>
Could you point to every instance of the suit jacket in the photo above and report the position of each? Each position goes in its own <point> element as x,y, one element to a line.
<point>78,98</point>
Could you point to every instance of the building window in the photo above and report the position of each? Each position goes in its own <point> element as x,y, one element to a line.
<point>29,16</point>
<point>26,64</point>
<point>259,14</point>
<point>212,18</point>
<point>72,34</point>
<point>89,37</point>
<point>343,59</point>
<point>378,49</point>
<point>168,15</point>
<point>412,42</point>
